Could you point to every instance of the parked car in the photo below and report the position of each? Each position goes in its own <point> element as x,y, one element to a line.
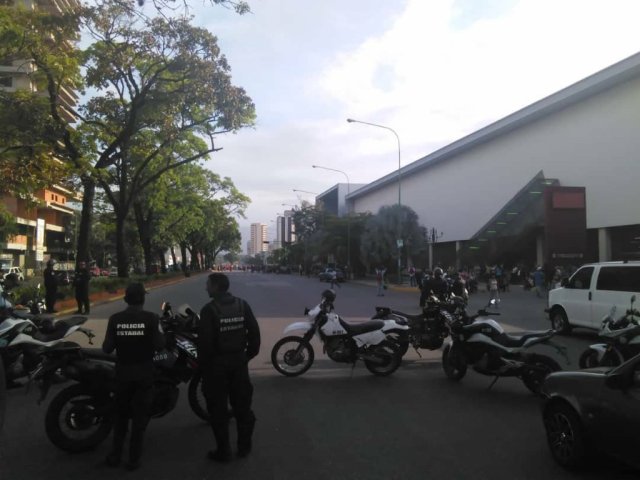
<point>104,272</point>
<point>65,277</point>
<point>588,295</point>
<point>113,272</point>
<point>328,273</point>
<point>593,410</point>
<point>18,272</point>
<point>95,271</point>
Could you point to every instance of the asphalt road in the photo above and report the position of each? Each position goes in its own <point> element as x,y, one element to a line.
<point>334,422</point>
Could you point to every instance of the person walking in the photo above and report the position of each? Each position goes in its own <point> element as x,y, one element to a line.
<point>81,285</point>
<point>334,279</point>
<point>494,293</point>
<point>412,276</point>
<point>380,271</point>
<point>228,338</point>
<point>50,286</point>
<point>134,334</point>
<point>538,281</point>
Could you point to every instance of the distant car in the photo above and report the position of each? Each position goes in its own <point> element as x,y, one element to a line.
<point>113,272</point>
<point>18,272</point>
<point>104,272</point>
<point>328,273</point>
<point>94,271</point>
<point>593,410</point>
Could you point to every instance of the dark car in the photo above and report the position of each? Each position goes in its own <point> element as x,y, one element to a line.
<point>328,273</point>
<point>593,410</point>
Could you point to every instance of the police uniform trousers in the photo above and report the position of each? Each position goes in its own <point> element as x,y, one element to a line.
<point>133,402</point>
<point>227,383</point>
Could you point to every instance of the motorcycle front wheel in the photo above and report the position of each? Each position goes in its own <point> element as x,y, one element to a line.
<point>78,420</point>
<point>389,358</point>
<point>589,359</point>
<point>453,363</point>
<point>539,367</point>
<point>292,356</point>
<point>196,398</point>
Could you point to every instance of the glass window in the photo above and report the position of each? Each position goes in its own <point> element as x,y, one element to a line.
<point>581,280</point>
<point>6,81</point>
<point>619,279</point>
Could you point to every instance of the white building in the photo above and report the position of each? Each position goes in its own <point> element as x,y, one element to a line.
<point>495,195</point>
<point>258,242</point>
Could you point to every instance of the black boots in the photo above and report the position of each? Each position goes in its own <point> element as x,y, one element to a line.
<point>245,431</point>
<point>222,453</point>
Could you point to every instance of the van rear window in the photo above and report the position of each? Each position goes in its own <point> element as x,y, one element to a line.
<point>619,279</point>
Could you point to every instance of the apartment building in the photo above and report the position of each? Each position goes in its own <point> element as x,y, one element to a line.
<point>44,230</point>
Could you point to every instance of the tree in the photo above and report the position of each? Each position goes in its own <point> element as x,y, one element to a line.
<point>378,243</point>
<point>163,88</point>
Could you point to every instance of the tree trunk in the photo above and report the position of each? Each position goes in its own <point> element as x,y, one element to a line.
<point>144,233</point>
<point>122,253</point>
<point>183,252</point>
<point>86,219</point>
<point>173,256</point>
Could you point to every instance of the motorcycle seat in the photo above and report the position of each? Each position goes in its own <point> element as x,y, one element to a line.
<point>364,327</point>
<point>514,341</point>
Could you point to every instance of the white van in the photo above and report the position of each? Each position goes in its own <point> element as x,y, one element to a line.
<point>587,297</point>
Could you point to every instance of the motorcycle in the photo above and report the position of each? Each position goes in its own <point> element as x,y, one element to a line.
<point>621,338</point>
<point>80,416</point>
<point>481,342</point>
<point>23,336</point>
<point>427,329</point>
<point>343,342</point>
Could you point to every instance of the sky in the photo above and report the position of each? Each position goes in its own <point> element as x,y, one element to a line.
<point>432,70</point>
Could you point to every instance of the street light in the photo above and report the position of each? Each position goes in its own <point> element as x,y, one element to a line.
<point>348,216</point>
<point>304,191</point>
<point>399,240</point>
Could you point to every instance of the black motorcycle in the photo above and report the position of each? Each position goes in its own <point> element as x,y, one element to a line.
<point>481,342</point>
<point>80,416</point>
<point>428,329</point>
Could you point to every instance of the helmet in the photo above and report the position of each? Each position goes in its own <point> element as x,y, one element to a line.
<point>437,272</point>
<point>329,295</point>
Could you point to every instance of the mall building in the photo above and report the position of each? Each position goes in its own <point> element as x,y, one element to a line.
<point>556,182</point>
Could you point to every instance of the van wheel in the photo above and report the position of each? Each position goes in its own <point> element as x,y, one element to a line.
<point>560,323</point>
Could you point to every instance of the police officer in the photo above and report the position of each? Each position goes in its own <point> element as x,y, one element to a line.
<point>228,337</point>
<point>434,285</point>
<point>135,334</point>
<point>81,284</point>
<point>50,286</point>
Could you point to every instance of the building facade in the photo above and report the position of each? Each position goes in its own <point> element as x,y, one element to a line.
<point>44,231</point>
<point>504,192</point>
<point>258,242</point>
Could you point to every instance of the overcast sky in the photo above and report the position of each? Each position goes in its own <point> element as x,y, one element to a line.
<point>432,70</point>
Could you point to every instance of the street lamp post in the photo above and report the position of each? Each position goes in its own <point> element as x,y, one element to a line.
<point>398,240</point>
<point>348,216</point>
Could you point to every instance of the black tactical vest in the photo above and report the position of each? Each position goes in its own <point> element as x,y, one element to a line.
<point>231,331</point>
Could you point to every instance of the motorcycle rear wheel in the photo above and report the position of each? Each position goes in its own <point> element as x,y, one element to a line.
<point>293,359</point>
<point>454,365</point>
<point>533,378</point>
<point>589,359</point>
<point>390,355</point>
<point>73,421</point>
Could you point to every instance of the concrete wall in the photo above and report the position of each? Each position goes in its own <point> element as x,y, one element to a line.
<point>594,143</point>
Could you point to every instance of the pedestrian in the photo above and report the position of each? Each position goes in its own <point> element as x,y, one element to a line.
<point>434,285</point>
<point>538,281</point>
<point>134,334</point>
<point>81,285</point>
<point>494,293</point>
<point>50,286</point>
<point>412,276</point>
<point>380,271</point>
<point>228,338</point>
<point>334,279</point>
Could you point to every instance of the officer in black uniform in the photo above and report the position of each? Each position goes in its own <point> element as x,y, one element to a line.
<point>228,337</point>
<point>81,284</point>
<point>135,334</point>
<point>50,286</point>
<point>435,285</point>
